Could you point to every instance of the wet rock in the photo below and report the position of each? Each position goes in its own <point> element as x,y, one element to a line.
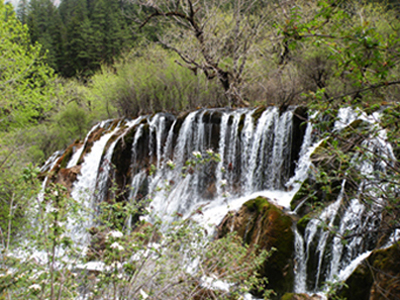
<point>300,117</point>
<point>67,177</point>
<point>294,296</point>
<point>326,159</point>
<point>96,135</point>
<point>62,161</point>
<point>257,114</point>
<point>376,278</point>
<point>261,223</point>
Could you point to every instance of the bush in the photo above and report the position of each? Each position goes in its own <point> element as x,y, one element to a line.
<point>147,81</point>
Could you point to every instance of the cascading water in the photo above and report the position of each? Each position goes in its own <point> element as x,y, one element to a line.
<point>84,187</point>
<point>257,155</point>
<point>326,254</point>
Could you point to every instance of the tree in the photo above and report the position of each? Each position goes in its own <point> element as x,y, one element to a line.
<point>360,44</point>
<point>219,38</point>
<point>27,83</point>
<point>96,33</point>
<point>46,28</point>
<point>111,34</point>
<point>361,157</point>
<point>75,16</point>
<point>22,11</point>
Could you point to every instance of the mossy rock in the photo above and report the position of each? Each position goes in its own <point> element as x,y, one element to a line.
<point>358,284</point>
<point>302,224</point>
<point>62,162</point>
<point>258,112</point>
<point>301,194</point>
<point>326,161</point>
<point>259,222</point>
<point>179,121</point>
<point>213,116</point>
<point>295,296</point>
<point>377,277</point>
<point>67,156</point>
<point>67,177</point>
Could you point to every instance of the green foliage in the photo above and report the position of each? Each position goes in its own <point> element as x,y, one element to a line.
<point>160,260</point>
<point>16,190</point>
<point>78,35</point>
<point>358,41</point>
<point>46,28</point>
<point>149,81</point>
<point>27,84</point>
<point>333,287</point>
<point>39,270</point>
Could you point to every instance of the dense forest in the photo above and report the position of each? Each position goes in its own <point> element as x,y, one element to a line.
<point>65,67</point>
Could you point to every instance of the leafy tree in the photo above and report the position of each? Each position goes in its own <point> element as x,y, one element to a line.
<point>360,43</point>
<point>218,38</point>
<point>27,83</point>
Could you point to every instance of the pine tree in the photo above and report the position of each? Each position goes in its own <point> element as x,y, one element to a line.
<point>22,11</point>
<point>79,35</point>
<point>74,14</point>
<point>45,27</point>
<point>111,30</point>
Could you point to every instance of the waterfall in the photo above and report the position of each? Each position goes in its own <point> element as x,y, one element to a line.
<point>260,153</point>
<point>327,252</point>
<point>84,188</point>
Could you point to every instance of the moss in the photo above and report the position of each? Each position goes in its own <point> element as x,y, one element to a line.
<point>61,163</point>
<point>261,223</point>
<point>294,296</point>
<point>288,296</point>
<point>214,117</point>
<point>377,277</point>
<point>358,284</point>
<point>241,124</point>
<point>66,157</point>
<point>301,194</point>
<point>179,121</point>
<point>257,204</point>
<point>386,272</point>
<point>94,136</point>
<point>302,223</point>
<point>257,114</point>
